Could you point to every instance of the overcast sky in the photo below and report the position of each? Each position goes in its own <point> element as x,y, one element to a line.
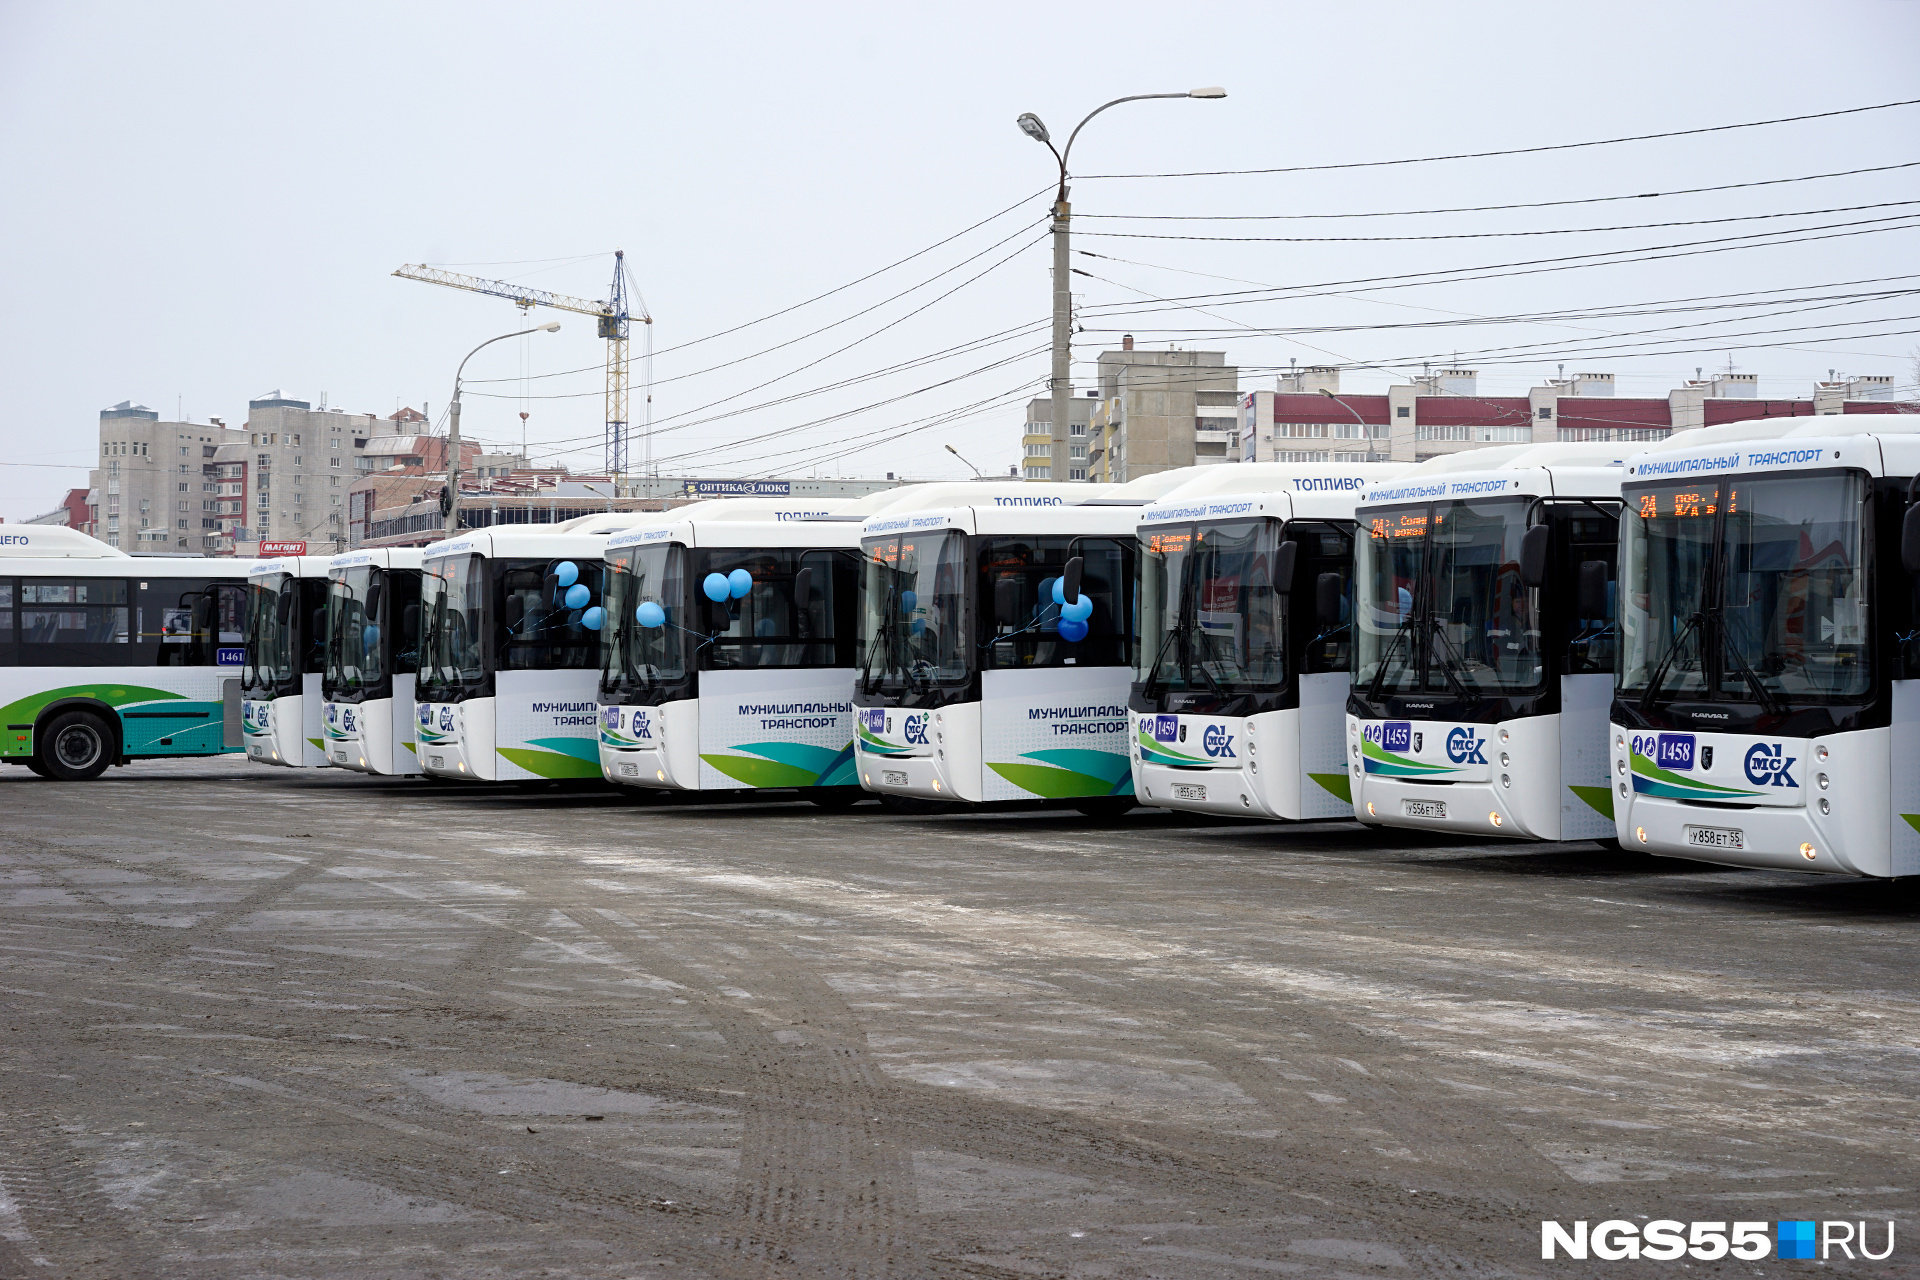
<point>204,203</point>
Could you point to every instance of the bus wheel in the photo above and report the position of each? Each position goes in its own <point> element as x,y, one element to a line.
<point>1104,808</point>
<point>75,747</point>
<point>834,797</point>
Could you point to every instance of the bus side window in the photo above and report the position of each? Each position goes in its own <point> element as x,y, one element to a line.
<point>9,651</point>
<point>73,622</point>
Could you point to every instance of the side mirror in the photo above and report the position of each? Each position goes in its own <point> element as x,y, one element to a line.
<point>1006,601</point>
<point>283,610</point>
<point>375,591</point>
<point>1284,557</point>
<point>1910,539</point>
<point>1329,591</point>
<point>803,588</point>
<point>1590,590</point>
<point>409,624</point>
<point>514,611</point>
<point>719,618</point>
<point>1070,578</point>
<point>1534,545</point>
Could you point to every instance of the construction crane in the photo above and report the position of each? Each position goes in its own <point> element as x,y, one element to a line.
<point>614,319</point>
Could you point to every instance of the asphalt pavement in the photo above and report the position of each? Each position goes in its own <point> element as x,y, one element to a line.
<point>262,1022</point>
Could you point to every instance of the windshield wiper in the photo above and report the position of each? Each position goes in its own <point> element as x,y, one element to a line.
<point>1651,696</point>
<point>1380,673</point>
<point>1768,700</point>
<point>1450,665</point>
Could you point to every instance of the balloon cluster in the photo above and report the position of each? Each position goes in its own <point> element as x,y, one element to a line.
<point>575,594</point>
<point>1073,613</point>
<point>720,587</point>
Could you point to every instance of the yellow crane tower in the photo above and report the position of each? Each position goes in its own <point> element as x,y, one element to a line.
<point>613,318</point>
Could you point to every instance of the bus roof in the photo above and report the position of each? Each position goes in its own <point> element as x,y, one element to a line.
<point>380,557</point>
<point>1894,452</point>
<point>1557,468</point>
<point>54,541</point>
<point>297,566</point>
<point>1327,490</point>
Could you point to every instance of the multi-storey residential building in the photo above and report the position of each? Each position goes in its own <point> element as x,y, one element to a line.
<point>1310,419</point>
<point>151,491</point>
<point>1160,410</point>
<point>299,464</point>
<point>1036,443</point>
<point>72,513</point>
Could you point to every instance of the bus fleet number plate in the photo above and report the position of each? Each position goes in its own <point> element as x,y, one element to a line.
<point>1424,808</point>
<point>1717,837</point>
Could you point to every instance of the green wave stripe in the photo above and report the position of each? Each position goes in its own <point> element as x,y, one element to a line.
<point>880,746</point>
<point>551,764</point>
<point>1649,779</point>
<point>1069,773</point>
<point>786,764</point>
<point>1336,784</point>
<point>118,697</point>
<point>1379,760</point>
<point>1152,746</point>
<point>1913,820</point>
<point>1599,799</point>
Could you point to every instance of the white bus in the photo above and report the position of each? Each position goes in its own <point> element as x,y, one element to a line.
<point>286,656</point>
<point>107,658</point>
<point>508,688</point>
<point>1767,709</point>
<point>996,645</point>
<point>1240,696</point>
<point>1483,655</point>
<point>372,653</point>
<point>728,650</point>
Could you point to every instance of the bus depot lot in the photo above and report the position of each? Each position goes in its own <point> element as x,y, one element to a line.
<point>274,1023</point>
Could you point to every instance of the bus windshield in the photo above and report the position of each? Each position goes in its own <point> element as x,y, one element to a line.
<point>1746,589</point>
<point>912,613</point>
<point>1211,615</point>
<point>356,665</point>
<point>272,601</point>
<point>453,600</point>
<point>644,650</point>
<point>1440,603</point>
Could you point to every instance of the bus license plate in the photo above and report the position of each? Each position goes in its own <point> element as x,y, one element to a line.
<point>629,770</point>
<point>436,762</point>
<point>341,756</point>
<point>1716,837</point>
<point>1423,808</point>
<point>1189,791</point>
<point>894,777</point>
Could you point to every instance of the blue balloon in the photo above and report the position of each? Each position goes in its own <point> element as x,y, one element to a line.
<point>650,614</point>
<point>907,601</point>
<point>1072,632</point>
<point>715,586</point>
<point>739,582</point>
<point>578,595</point>
<point>370,636</point>
<point>567,573</point>
<point>1079,611</point>
<point>592,618</point>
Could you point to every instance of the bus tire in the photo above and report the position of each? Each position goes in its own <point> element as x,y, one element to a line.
<point>834,798</point>
<point>1104,808</point>
<point>33,762</point>
<point>75,746</point>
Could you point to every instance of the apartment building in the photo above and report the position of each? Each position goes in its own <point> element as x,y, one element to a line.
<point>151,491</point>
<point>1036,443</point>
<point>297,467</point>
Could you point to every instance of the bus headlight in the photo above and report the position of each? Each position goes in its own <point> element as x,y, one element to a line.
<point>1808,852</point>
<point>1494,818</point>
<point>1371,811</point>
<point>1640,834</point>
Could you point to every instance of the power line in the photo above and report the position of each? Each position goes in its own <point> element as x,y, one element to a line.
<point>1514,151</point>
<point>1506,235</point>
<point>1487,208</point>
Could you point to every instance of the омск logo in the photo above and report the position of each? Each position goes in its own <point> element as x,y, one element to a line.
<point>1463,746</point>
<point>1767,765</point>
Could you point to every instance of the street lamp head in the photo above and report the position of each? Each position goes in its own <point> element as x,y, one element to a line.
<point>1030,125</point>
<point>551,326</point>
<point>1211,91</point>
<point>955,452</point>
<point>1323,391</point>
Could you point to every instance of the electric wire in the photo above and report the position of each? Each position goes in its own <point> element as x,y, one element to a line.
<point>1490,208</point>
<point>1513,151</point>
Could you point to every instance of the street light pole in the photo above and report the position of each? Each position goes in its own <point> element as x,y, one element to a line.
<point>450,504</point>
<point>1356,417</point>
<point>1060,381</point>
